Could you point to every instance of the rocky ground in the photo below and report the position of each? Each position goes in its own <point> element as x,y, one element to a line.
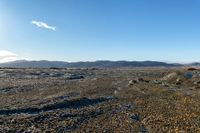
<point>145,100</point>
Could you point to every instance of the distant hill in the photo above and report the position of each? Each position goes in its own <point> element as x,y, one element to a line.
<point>96,64</point>
<point>195,64</point>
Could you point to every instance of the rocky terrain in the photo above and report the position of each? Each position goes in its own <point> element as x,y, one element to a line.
<point>145,100</point>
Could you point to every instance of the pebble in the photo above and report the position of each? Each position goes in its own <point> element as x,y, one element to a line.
<point>134,117</point>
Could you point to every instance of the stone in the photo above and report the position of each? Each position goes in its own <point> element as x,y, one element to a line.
<point>157,81</point>
<point>143,129</point>
<point>191,69</point>
<point>131,82</point>
<point>56,74</point>
<point>140,80</point>
<point>196,82</point>
<point>170,76</point>
<point>165,85</point>
<point>115,92</point>
<point>188,75</point>
<point>134,117</point>
<point>74,76</point>
<point>178,83</point>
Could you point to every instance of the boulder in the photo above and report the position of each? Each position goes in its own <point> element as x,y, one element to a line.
<point>188,75</point>
<point>170,76</point>
<point>131,82</point>
<point>191,69</point>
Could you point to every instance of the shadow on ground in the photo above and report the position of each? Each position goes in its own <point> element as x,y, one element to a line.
<point>75,104</point>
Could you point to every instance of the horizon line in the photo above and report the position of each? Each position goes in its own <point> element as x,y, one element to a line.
<point>169,62</point>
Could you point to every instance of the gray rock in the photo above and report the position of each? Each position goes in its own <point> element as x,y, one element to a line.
<point>132,82</point>
<point>143,129</point>
<point>165,85</point>
<point>134,117</point>
<point>157,81</point>
<point>56,74</point>
<point>74,76</point>
<point>170,76</point>
<point>188,75</point>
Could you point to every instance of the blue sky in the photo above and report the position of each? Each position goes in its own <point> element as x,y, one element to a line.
<point>88,30</point>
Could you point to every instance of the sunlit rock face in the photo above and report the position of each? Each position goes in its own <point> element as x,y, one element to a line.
<point>7,56</point>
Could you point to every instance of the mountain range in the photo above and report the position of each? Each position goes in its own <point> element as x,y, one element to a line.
<point>95,64</point>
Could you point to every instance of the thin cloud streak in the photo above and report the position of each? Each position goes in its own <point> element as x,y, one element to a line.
<point>7,56</point>
<point>44,25</point>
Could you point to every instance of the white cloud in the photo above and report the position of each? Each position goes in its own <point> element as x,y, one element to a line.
<point>6,56</point>
<point>43,25</point>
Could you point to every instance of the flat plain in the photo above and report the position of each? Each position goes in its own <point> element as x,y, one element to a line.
<point>145,100</point>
